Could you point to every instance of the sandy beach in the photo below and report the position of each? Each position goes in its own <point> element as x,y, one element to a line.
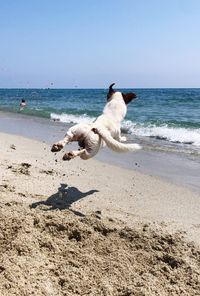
<point>91,228</point>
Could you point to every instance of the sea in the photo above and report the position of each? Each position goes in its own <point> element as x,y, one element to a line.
<point>159,119</point>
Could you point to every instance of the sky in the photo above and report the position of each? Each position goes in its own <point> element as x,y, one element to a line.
<point>92,43</point>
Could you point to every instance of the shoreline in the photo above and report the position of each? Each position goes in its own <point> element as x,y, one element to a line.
<point>180,169</point>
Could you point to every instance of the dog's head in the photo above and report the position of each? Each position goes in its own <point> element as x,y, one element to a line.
<point>128,97</point>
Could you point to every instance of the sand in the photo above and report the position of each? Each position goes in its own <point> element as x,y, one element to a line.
<point>89,228</point>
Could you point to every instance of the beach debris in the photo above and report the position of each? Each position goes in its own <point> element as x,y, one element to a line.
<point>12,146</point>
<point>21,194</point>
<point>98,214</point>
<point>22,168</point>
<point>25,164</point>
<point>7,187</point>
<point>48,172</point>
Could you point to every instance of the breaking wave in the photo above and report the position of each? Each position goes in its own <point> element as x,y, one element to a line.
<point>162,132</point>
<point>72,118</point>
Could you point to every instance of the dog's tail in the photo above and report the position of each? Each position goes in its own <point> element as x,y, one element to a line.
<point>114,144</point>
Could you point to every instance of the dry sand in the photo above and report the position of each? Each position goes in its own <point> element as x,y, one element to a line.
<point>88,228</point>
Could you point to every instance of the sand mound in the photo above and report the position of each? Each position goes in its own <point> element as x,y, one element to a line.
<point>47,252</point>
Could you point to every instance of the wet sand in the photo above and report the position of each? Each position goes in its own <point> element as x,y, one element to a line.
<point>177,168</point>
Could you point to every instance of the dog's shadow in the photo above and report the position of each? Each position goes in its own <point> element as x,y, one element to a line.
<point>64,198</point>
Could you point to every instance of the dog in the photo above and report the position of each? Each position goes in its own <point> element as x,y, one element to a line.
<point>105,130</point>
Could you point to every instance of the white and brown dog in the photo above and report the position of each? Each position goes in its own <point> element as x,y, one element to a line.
<point>105,130</point>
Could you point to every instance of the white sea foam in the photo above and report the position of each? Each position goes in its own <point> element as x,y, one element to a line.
<point>70,118</point>
<point>164,132</point>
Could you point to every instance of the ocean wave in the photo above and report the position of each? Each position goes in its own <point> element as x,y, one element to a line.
<point>71,118</point>
<point>164,132</point>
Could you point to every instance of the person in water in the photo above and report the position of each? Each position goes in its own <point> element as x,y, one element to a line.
<point>22,103</point>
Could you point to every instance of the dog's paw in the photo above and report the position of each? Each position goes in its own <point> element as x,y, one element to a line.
<point>123,139</point>
<point>68,156</point>
<point>57,147</point>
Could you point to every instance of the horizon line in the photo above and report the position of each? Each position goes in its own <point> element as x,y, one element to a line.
<point>82,88</point>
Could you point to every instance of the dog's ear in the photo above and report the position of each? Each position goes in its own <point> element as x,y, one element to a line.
<point>128,97</point>
<point>110,91</point>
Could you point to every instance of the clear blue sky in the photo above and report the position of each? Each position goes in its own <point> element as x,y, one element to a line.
<point>90,43</point>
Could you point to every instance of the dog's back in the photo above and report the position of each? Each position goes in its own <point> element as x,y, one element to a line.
<point>115,108</point>
<point>108,124</point>
<point>113,114</point>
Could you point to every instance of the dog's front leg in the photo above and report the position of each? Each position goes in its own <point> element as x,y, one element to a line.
<point>73,154</point>
<point>60,145</point>
<point>119,137</point>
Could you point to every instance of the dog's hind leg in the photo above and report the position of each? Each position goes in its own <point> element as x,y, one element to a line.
<point>60,145</point>
<point>122,139</point>
<point>73,154</point>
